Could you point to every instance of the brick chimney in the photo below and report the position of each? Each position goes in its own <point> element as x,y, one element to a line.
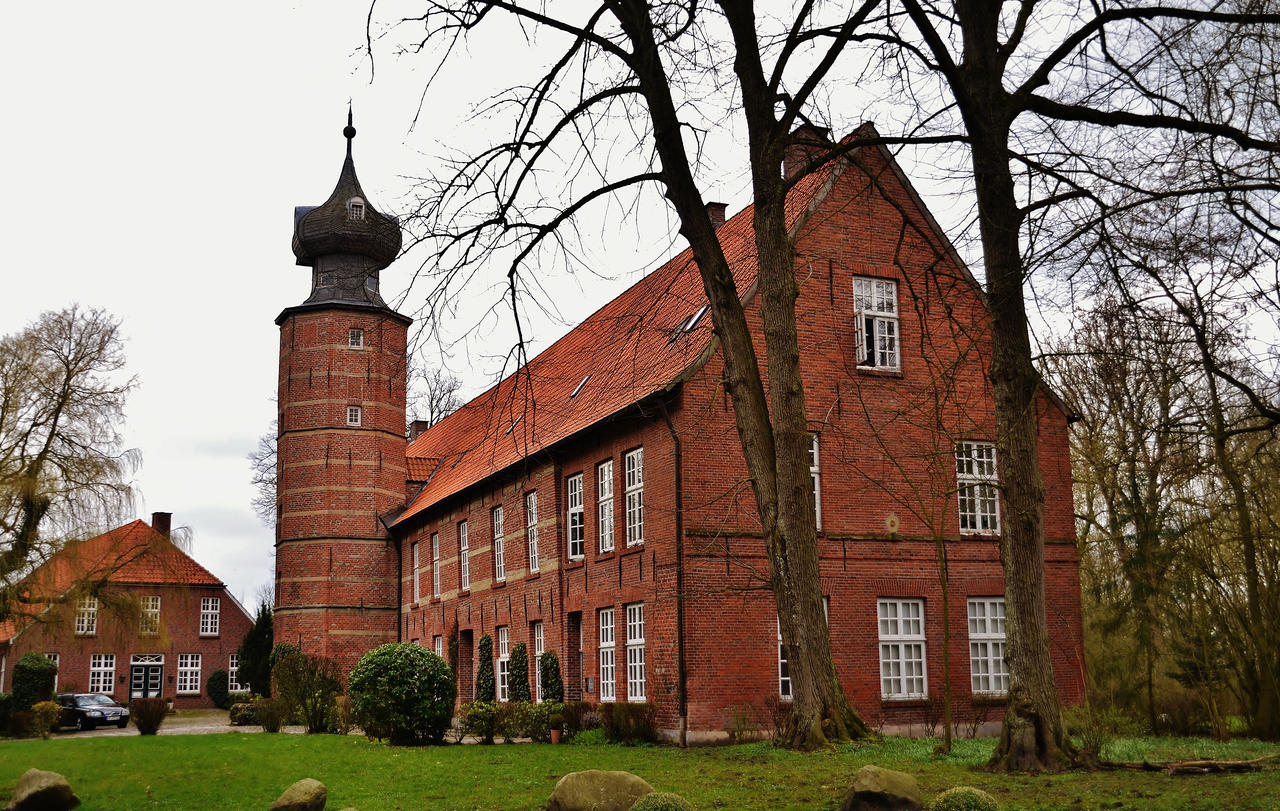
<point>807,142</point>
<point>416,429</point>
<point>161,522</point>
<point>716,212</point>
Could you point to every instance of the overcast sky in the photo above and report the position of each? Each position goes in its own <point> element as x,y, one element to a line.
<point>154,153</point>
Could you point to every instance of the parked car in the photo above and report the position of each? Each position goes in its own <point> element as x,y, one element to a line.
<point>88,710</point>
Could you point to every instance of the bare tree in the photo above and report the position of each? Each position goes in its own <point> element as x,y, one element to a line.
<point>262,475</point>
<point>63,473</point>
<point>433,395</point>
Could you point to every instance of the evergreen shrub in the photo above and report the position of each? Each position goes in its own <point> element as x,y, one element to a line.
<point>33,677</point>
<point>217,688</point>
<point>483,719</point>
<point>518,673</point>
<point>404,693</point>
<point>629,723</point>
<point>552,685</point>
<point>486,687</point>
<point>44,718</point>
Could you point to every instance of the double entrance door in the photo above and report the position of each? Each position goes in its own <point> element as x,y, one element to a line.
<point>146,675</point>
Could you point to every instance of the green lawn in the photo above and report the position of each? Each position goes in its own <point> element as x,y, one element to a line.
<point>242,771</point>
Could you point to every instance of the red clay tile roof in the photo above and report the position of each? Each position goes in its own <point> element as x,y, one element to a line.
<point>638,344</point>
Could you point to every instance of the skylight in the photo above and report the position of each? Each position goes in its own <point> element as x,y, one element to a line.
<point>579,387</point>
<point>694,319</point>
<point>514,423</point>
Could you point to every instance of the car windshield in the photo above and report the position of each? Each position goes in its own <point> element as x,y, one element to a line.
<point>94,701</point>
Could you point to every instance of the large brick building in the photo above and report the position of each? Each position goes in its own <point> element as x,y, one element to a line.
<point>136,617</point>
<point>596,502</point>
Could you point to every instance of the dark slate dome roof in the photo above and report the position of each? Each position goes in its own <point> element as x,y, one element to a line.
<point>334,228</point>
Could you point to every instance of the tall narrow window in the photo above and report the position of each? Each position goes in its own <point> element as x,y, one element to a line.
<point>815,473</point>
<point>435,564</point>
<point>634,466</point>
<point>784,667</point>
<point>464,556</point>
<point>531,528</point>
<point>56,659</point>
<point>976,485</point>
<point>102,673</point>
<point>635,652</point>
<point>149,622</point>
<point>210,615</point>
<point>438,644</point>
<point>417,584</point>
<point>499,554</point>
<point>574,518</point>
<point>87,616</point>
<point>902,673</point>
<point>355,338</point>
<point>875,306</point>
<point>233,675</point>
<point>604,504</point>
<point>188,673</point>
<point>539,647</point>
<point>504,663</point>
<point>354,416</point>
<point>608,649</point>
<point>988,673</point>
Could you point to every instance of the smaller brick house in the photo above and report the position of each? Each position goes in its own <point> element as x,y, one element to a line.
<point>136,616</point>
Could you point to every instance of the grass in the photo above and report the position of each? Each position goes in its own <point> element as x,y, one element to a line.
<point>238,771</point>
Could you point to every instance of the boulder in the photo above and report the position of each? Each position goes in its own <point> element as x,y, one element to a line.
<point>877,789</point>
<point>304,795</point>
<point>596,790</point>
<point>42,791</point>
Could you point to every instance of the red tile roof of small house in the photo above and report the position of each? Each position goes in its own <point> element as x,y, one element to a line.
<point>640,343</point>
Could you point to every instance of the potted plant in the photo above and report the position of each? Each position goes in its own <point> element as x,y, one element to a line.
<point>556,724</point>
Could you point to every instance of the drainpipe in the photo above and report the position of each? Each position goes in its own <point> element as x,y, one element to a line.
<point>682,676</point>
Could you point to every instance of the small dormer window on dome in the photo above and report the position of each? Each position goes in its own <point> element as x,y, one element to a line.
<point>355,209</point>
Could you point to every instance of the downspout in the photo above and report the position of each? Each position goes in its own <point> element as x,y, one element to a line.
<point>682,680</point>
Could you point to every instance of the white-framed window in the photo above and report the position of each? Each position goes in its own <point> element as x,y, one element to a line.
<point>149,622</point>
<point>633,464</point>
<point>988,672</point>
<point>102,673</point>
<point>977,487</point>
<point>437,643</point>
<point>435,564</point>
<point>188,673</point>
<point>815,473</point>
<point>354,415</point>
<point>417,584</point>
<point>56,659</point>
<point>575,518</point>
<point>464,556</point>
<point>604,504</point>
<point>504,664</point>
<point>531,528</point>
<point>210,616</point>
<point>875,307</point>
<point>635,652</point>
<point>499,552</point>
<point>608,652</point>
<point>87,616</point>
<point>355,338</point>
<point>233,675</point>
<point>539,648</point>
<point>784,668</point>
<point>902,671</point>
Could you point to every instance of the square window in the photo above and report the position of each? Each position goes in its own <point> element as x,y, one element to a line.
<point>355,338</point>
<point>354,415</point>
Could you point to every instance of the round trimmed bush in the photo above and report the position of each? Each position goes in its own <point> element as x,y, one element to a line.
<point>964,798</point>
<point>404,693</point>
<point>662,801</point>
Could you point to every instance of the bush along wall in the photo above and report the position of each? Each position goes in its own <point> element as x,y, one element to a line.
<point>552,685</point>
<point>519,674</point>
<point>486,687</point>
<point>33,677</point>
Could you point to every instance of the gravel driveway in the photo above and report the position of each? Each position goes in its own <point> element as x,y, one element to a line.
<point>182,722</point>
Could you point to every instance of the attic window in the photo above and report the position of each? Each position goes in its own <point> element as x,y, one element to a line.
<point>579,387</point>
<point>355,209</point>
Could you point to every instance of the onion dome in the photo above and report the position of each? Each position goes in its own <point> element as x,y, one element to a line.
<point>345,223</point>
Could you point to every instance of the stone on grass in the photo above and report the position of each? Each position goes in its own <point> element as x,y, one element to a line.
<point>304,795</point>
<point>42,791</point>
<point>596,790</point>
<point>877,789</point>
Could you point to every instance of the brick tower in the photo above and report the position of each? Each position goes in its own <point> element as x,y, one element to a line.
<point>342,432</point>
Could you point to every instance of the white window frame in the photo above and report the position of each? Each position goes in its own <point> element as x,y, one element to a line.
<point>417,563</point>
<point>575,518</point>
<point>102,673</point>
<point>988,671</point>
<point>604,504</point>
<point>56,659</point>
<point>499,546</point>
<point>188,674</point>
<point>210,616</point>
<point>531,527</point>
<point>815,473</point>
<point>437,644</point>
<point>464,557</point>
<point>608,656</point>
<point>904,672</point>
<point>355,338</point>
<point>633,464</point>
<point>539,648</point>
<point>87,616</point>
<point>784,668</point>
<point>233,674</point>
<point>435,565</point>
<point>504,663</point>
<point>635,652</point>
<point>149,616</point>
<point>355,416</point>
<point>977,488</point>
<point>875,307</point>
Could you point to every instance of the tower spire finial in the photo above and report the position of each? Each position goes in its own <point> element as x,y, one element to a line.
<point>349,132</point>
